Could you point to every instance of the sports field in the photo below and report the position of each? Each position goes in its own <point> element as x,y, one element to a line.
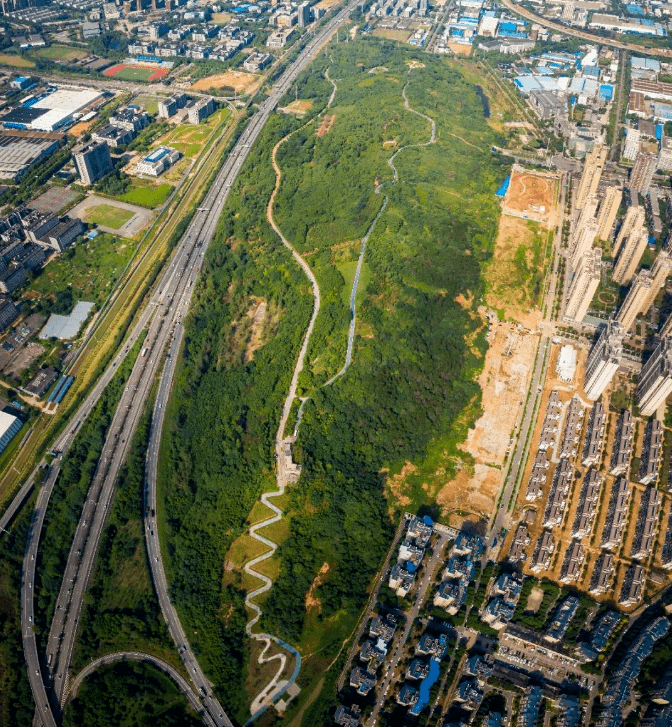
<point>108,216</point>
<point>128,72</point>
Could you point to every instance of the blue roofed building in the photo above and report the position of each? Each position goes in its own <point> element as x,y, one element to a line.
<point>418,669</point>
<point>494,719</point>
<point>434,646</point>
<point>618,690</point>
<point>407,696</point>
<point>362,680</point>
<point>529,707</point>
<point>570,711</point>
<point>563,615</point>
<point>9,428</point>
<point>468,544</point>
<point>603,630</point>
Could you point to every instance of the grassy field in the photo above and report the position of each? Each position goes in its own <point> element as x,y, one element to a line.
<point>17,61</point>
<point>149,103</point>
<point>391,34</point>
<point>108,216</point>
<point>190,139</point>
<point>87,270</point>
<point>149,196</point>
<point>62,53</point>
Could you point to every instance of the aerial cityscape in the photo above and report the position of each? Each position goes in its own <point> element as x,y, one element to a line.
<point>335,362</point>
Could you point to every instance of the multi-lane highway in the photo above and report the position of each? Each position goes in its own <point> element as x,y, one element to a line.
<point>162,319</point>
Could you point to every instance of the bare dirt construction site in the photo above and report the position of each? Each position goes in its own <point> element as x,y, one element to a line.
<point>298,108</point>
<point>240,81</point>
<point>460,49</point>
<point>504,382</point>
<point>533,196</point>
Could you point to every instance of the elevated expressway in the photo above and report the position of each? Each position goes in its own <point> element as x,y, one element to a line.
<point>162,319</point>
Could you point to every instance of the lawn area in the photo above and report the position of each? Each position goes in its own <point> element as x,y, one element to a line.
<point>62,53</point>
<point>108,216</point>
<point>149,103</point>
<point>16,61</point>
<point>190,140</point>
<point>148,196</point>
<point>90,268</point>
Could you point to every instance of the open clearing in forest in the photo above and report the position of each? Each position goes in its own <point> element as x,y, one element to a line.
<point>326,124</point>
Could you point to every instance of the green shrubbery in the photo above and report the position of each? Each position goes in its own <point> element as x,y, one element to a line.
<point>412,372</point>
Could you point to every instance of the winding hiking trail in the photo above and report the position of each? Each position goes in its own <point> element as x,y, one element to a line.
<point>286,471</point>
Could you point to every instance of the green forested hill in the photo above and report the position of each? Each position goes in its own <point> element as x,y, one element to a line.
<point>412,372</point>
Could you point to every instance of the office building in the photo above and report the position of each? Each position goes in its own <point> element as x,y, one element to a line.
<point>655,380</point>
<point>592,172</point>
<point>304,14</point>
<point>583,286</point>
<point>170,106</point>
<point>92,161</point>
<point>608,211</point>
<point>583,241</point>
<point>604,360</point>
<point>642,173</point>
<point>631,147</point>
<point>632,222</point>
<point>9,426</point>
<point>660,271</point>
<point>628,258</point>
<point>634,301</point>
<point>203,108</point>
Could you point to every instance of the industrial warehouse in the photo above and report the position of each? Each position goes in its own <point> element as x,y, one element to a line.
<point>53,109</point>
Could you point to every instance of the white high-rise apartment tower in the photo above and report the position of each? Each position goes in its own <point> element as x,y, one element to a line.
<point>608,211</point>
<point>628,259</point>
<point>603,360</point>
<point>655,381</point>
<point>583,285</point>
<point>634,301</point>
<point>592,172</point>
<point>632,222</point>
